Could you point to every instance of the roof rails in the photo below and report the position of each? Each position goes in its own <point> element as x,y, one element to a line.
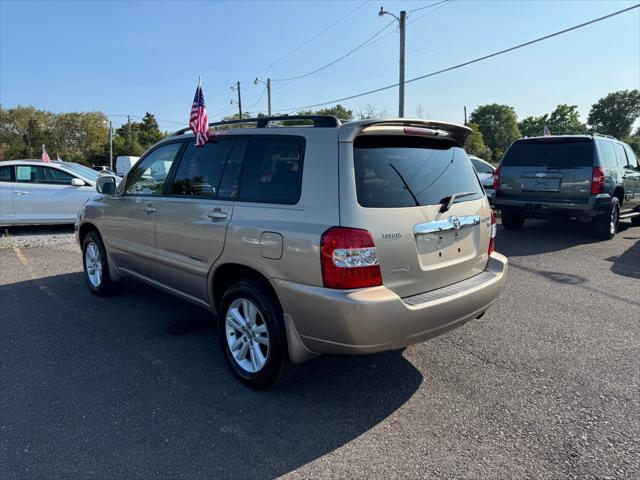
<point>317,121</point>
<point>596,134</point>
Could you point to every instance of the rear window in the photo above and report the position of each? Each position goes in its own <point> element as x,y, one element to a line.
<point>398,171</point>
<point>575,152</point>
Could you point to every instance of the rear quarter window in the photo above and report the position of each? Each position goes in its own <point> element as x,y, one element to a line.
<point>571,152</point>
<point>607,154</point>
<point>403,171</point>
<point>6,173</point>
<point>272,170</point>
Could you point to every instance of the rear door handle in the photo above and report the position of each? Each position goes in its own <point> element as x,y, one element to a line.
<point>149,210</point>
<point>217,214</point>
<point>20,192</point>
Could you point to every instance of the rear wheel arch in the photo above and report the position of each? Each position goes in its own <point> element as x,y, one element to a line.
<point>619,194</point>
<point>227,274</point>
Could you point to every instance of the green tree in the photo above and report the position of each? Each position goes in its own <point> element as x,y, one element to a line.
<point>499,126</point>
<point>533,126</point>
<point>475,144</point>
<point>566,119</point>
<point>23,131</point>
<point>634,141</point>
<point>615,113</point>
<point>337,111</point>
<point>79,137</point>
<point>149,133</point>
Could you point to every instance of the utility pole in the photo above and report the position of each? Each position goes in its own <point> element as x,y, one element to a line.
<point>110,147</point>
<point>129,128</point>
<point>465,114</point>
<point>239,100</point>
<point>402,21</point>
<point>268,85</point>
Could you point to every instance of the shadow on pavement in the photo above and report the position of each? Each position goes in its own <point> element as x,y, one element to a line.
<point>121,387</point>
<point>539,236</point>
<point>35,230</point>
<point>627,264</point>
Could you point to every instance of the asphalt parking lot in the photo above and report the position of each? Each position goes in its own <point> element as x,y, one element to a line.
<point>546,385</point>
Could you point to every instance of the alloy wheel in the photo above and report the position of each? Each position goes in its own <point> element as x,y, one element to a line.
<point>93,264</point>
<point>247,335</point>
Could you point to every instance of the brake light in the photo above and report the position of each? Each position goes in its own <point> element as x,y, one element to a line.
<point>496,179</point>
<point>494,231</point>
<point>597,180</point>
<point>349,259</point>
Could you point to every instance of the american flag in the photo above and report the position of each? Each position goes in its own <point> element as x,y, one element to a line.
<point>198,120</point>
<point>45,155</point>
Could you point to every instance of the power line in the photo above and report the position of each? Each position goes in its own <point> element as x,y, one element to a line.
<point>337,59</point>
<point>427,6</point>
<point>304,44</point>
<point>475,60</point>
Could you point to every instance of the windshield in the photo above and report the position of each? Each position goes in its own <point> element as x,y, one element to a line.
<point>86,172</point>
<point>403,171</point>
<point>561,152</point>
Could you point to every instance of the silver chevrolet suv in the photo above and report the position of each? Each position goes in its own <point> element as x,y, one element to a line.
<point>305,235</point>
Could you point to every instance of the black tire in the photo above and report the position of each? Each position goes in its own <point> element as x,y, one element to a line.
<point>277,366</point>
<point>104,285</point>
<point>512,220</point>
<point>606,224</point>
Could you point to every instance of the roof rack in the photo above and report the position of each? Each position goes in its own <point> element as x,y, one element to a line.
<point>318,121</point>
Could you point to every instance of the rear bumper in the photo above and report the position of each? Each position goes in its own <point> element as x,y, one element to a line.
<point>376,319</point>
<point>539,208</point>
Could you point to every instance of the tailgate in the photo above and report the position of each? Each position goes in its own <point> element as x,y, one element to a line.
<point>392,186</point>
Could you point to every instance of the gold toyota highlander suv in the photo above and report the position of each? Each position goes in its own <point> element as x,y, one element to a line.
<point>305,235</point>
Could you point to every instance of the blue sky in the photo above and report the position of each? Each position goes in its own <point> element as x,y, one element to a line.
<point>131,57</point>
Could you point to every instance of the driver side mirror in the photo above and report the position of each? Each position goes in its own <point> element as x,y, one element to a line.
<point>76,182</point>
<point>106,185</point>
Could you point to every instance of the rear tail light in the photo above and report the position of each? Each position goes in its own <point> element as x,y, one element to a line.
<point>494,230</point>
<point>349,259</point>
<point>597,180</point>
<point>496,179</point>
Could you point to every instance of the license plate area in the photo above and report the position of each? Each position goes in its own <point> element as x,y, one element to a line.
<point>540,184</point>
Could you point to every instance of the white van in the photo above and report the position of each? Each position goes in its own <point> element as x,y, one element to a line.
<point>124,164</point>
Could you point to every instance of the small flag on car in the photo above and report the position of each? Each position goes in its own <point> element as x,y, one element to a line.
<point>45,155</point>
<point>546,131</point>
<point>198,121</point>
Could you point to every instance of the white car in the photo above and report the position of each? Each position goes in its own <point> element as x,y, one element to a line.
<point>36,193</point>
<point>485,173</point>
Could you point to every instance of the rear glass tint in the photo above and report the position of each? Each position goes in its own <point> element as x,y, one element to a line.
<point>397,171</point>
<point>574,152</point>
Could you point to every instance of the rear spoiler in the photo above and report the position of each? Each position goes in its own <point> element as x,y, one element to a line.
<point>457,133</point>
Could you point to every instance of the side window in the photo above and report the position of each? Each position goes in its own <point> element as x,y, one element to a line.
<point>56,177</point>
<point>30,174</point>
<point>272,171</point>
<point>6,173</point>
<point>622,157</point>
<point>148,176</point>
<point>632,160</point>
<point>607,154</point>
<point>201,168</point>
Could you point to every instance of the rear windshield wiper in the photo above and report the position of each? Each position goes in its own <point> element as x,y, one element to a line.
<point>406,186</point>
<point>448,201</point>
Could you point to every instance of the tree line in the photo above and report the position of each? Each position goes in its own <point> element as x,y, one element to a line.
<point>83,137</point>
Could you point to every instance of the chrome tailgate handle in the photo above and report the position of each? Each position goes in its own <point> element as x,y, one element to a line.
<point>149,210</point>
<point>217,214</point>
<point>447,224</point>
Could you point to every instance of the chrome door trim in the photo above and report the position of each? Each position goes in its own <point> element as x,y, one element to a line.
<point>447,224</point>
